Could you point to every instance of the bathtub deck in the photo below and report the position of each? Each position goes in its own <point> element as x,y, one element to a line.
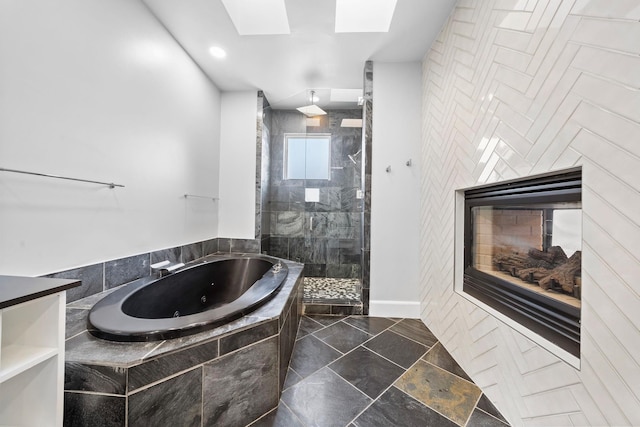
<point>325,295</point>
<point>243,360</point>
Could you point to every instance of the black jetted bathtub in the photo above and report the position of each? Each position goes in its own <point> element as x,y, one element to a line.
<point>198,297</point>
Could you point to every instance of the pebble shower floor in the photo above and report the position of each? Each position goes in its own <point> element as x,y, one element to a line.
<point>319,289</point>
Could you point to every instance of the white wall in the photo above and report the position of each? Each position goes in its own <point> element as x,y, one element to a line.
<point>519,88</point>
<point>395,195</point>
<point>98,90</point>
<point>238,168</point>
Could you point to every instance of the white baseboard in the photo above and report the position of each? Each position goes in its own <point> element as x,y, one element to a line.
<point>405,309</point>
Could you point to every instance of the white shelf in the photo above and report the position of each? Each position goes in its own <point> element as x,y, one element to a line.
<point>32,361</point>
<point>16,359</point>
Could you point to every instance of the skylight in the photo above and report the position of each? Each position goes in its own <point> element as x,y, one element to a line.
<point>345,95</point>
<point>258,17</point>
<point>364,16</point>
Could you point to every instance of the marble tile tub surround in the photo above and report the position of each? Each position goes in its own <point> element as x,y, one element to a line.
<point>97,278</point>
<point>331,248</point>
<point>164,382</point>
<point>376,372</point>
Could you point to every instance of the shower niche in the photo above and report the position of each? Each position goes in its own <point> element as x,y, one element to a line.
<point>522,253</point>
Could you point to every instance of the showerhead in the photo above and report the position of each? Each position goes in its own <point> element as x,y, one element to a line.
<point>312,110</point>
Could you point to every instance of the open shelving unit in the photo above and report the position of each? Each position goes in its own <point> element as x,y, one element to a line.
<point>32,353</point>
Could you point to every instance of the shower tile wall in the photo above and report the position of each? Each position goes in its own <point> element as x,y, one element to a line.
<point>367,123</point>
<point>262,169</point>
<point>332,247</point>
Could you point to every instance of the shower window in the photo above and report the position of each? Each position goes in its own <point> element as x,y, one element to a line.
<point>307,156</point>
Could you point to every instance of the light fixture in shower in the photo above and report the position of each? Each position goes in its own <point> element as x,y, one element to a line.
<point>351,123</point>
<point>312,110</point>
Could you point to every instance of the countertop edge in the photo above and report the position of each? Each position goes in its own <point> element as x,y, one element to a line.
<point>16,290</point>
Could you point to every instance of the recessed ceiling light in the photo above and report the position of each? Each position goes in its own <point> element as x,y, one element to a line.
<point>258,17</point>
<point>217,52</point>
<point>364,16</point>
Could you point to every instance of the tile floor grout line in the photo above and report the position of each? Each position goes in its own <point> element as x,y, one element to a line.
<point>293,412</point>
<point>366,395</point>
<point>390,385</point>
<point>491,415</point>
<point>314,321</point>
<point>367,407</point>
<point>430,408</point>
<point>474,408</point>
<point>386,358</point>
<point>311,333</point>
<point>351,385</point>
<point>359,345</point>
<point>409,338</point>
<point>371,336</point>
<point>433,409</point>
<point>367,332</point>
<point>344,354</point>
<point>449,372</point>
<point>323,366</point>
<point>417,342</point>
<point>329,345</point>
<point>285,379</point>
<point>325,315</point>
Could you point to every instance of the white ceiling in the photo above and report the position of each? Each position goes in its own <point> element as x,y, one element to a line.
<point>312,56</point>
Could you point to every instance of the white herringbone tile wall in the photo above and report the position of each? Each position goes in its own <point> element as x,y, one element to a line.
<point>519,87</point>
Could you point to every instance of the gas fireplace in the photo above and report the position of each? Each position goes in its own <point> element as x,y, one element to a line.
<point>522,253</point>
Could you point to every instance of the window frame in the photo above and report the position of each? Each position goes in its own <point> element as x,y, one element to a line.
<point>306,136</point>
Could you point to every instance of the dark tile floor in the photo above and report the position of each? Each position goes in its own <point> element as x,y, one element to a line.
<point>367,372</point>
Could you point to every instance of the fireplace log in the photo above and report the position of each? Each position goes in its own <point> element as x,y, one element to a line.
<point>533,274</point>
<point>509,262</point>
<point>554,255</point>
<point>564,275</point>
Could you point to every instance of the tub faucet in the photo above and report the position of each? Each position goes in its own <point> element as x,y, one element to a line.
<point>164,268</point>
<point>277,267</point>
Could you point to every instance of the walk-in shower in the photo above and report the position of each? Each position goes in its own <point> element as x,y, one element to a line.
<point>315,214</point>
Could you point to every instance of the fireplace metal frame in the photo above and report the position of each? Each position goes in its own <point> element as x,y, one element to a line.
<point>554,320</point>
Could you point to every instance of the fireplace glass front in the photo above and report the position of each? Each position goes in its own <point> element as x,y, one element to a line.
<point>523,253</point>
